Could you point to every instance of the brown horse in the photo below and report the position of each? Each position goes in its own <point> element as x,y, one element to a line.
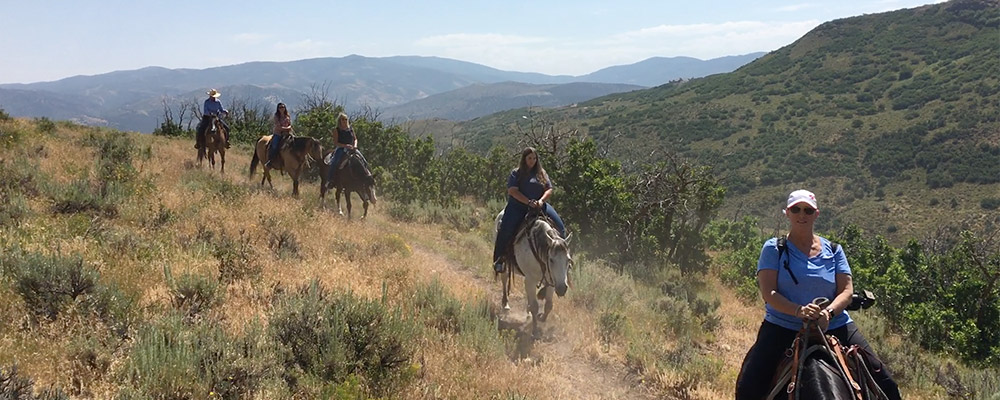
<point>353,177</point>
<point>215,141</point>
<point>295,156</point>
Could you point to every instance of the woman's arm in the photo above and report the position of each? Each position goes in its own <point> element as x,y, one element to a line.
<point>767,282</point>
<point>845,289</point>
<point>546,195</point>
<point>514,192</point>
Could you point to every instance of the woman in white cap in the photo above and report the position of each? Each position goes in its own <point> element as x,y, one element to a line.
<point>791,272</point>
<point>212,107</point>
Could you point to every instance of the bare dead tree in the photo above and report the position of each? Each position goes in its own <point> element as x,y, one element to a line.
<point>547,137</point>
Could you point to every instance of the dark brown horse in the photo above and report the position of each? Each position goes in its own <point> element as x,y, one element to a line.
<point>353,177</point>
<point>295,156</point>
<point>215,141</point>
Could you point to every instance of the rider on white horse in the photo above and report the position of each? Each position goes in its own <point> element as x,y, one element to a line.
<point>528,187</point>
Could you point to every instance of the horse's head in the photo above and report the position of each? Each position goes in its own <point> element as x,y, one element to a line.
<point>559,259</point>
<point>216,123</point>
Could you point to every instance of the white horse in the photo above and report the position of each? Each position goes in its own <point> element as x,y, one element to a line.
<point>542,257</point>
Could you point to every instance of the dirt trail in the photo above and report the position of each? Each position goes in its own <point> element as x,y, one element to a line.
<point>562,355</point>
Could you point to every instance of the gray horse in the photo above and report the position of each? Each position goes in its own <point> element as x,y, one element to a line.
<point>542,256</point>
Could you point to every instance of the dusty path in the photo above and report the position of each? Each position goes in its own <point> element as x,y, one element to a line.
<point>564,356</point>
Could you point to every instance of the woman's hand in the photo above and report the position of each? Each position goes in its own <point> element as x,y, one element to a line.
<point>809,312</point>
<point>535,203</point>
<point>824,320</point>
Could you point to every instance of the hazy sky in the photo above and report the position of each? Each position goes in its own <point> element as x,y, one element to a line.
<point>43,40</point>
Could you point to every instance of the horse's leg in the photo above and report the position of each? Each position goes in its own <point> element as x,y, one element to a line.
<point>267,177</point>
<point>365,203</point>
<point>340,211</point>
<point>506,277</point>
<point>531,302</point>
<point>347,199</point>
<point>222,158</point>
<point>295,181</point>
<point>548,293</point>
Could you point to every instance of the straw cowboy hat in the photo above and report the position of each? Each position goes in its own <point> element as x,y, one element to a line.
<point>214,93</point>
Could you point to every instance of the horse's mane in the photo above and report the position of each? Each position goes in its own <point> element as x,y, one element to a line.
<point>302,143</point>
<point>547,236</point>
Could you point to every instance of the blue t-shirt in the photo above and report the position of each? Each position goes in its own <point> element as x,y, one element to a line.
<point>530,187</point>
<point>816,276</point>
<point>213,107</point>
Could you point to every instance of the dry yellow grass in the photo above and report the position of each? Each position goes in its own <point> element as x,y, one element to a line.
<point>359,256</point>
<point>372,258</point>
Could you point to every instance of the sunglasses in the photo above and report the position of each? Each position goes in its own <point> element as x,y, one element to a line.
<point>796,209</point>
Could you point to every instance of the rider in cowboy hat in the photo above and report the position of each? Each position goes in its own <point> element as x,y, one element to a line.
<point>212,107</point>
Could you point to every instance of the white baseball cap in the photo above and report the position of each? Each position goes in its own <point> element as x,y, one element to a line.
<point>801,196</point>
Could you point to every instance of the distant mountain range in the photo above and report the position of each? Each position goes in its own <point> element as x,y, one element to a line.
<point>135,99</point>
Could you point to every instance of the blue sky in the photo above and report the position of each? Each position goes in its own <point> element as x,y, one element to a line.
<point>43,40</point>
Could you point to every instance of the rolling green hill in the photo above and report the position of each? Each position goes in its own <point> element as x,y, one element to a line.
<point>887,117</point>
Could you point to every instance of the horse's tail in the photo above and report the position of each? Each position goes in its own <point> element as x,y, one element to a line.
<point>253,162</point>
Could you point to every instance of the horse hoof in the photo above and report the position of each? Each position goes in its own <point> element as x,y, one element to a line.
<point>506,307</point>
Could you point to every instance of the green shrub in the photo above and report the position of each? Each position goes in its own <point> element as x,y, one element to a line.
<point>80,197</point>
<point>15,386</point>
<point>4,116</point>
<point>192,293</point>
<point>49,284</point>
<point>990,203</point>
<point>328,337</point>
<point>45,125</point>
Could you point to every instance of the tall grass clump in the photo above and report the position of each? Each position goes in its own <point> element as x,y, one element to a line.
<point>172,359</point>
<point>280,237</point>
<point>472,323</point>
<point>115,180</point>
<point>21,175</point>
<point>214,187</point>
<point>15,209</point>
<point>237,258</point>
<point>325,338</point>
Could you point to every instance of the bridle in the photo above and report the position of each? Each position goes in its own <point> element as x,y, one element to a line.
<point>547,279</point>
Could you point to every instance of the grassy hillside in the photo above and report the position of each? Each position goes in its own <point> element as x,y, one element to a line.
<point>887,115</point>
<point>129,272</point>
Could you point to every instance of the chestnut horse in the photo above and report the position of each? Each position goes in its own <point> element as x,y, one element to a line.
<point>215,141</point>
<point>295,156</point>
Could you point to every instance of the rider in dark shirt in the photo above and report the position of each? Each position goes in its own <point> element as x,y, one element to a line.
<point>528,187</point>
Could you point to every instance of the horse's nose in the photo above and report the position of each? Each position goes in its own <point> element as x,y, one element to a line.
<point>561,290</point>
